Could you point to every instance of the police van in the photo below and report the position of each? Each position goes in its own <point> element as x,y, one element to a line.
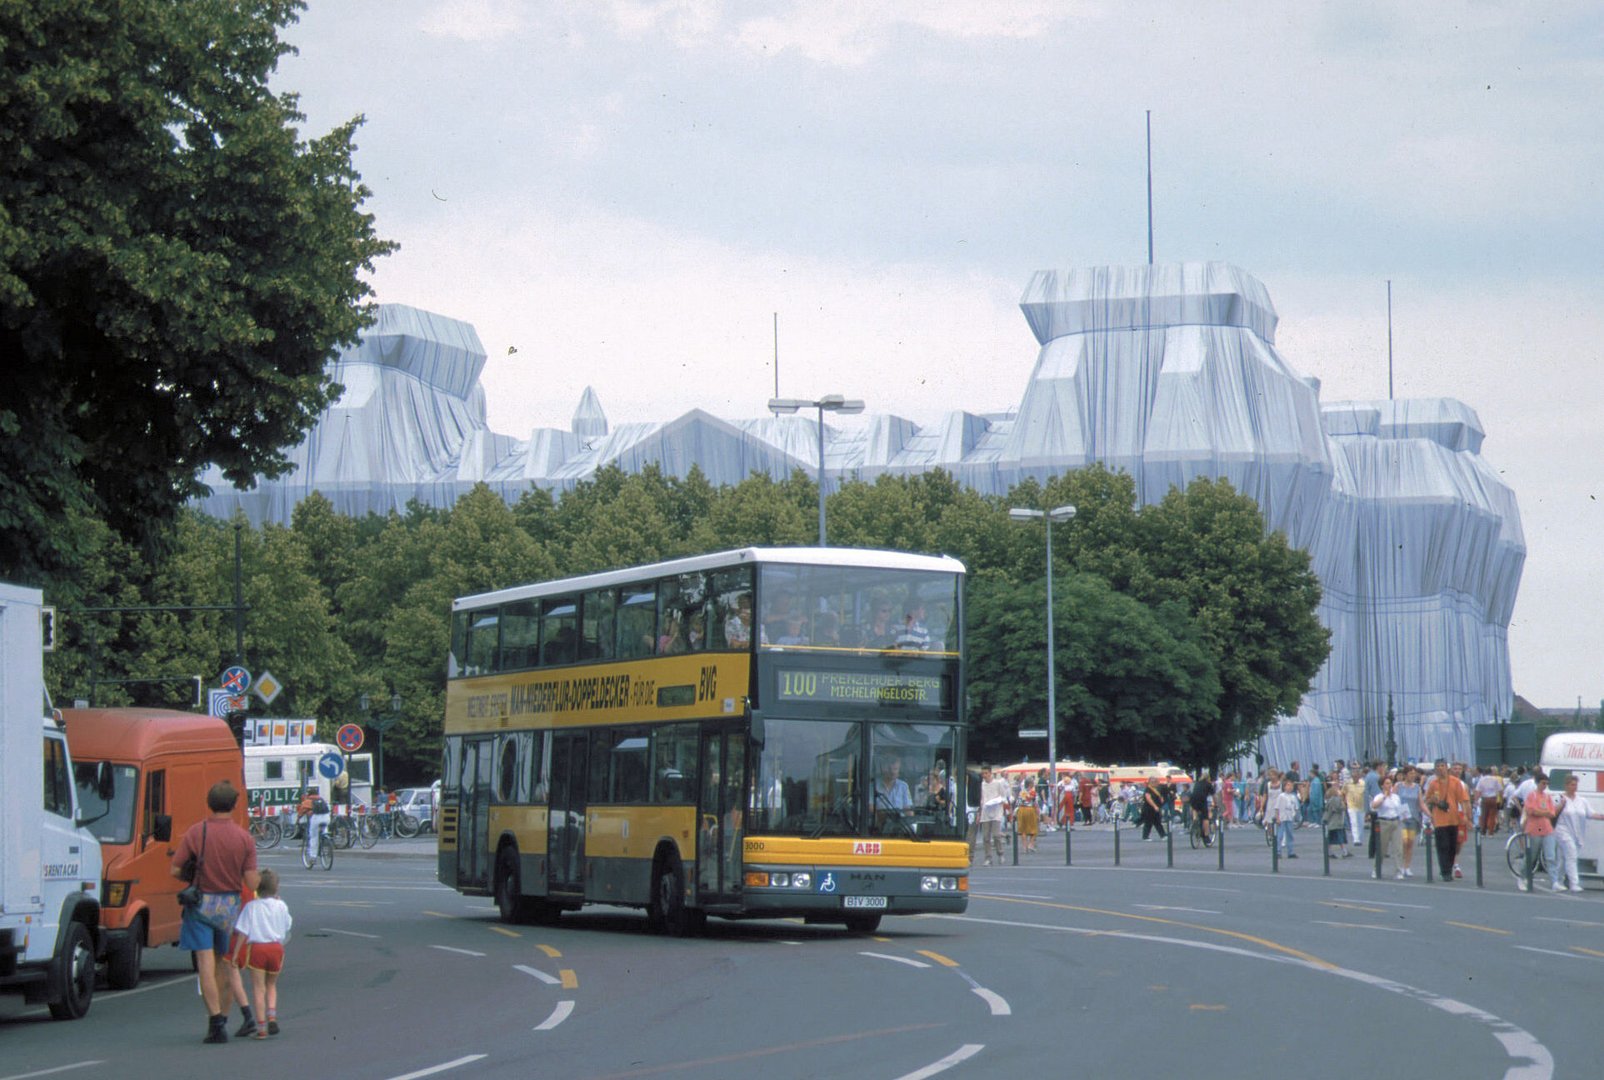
<point>275,776</point>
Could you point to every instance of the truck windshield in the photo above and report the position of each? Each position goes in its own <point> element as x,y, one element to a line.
<point>110,819</point>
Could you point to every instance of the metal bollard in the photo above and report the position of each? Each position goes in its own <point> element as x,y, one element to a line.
<point>1479,883</point>
<point>1068,832</point>
<point>1219,839</point>
<point>1376,870</point>
<point>1016,846</point>
<point>1275,853</point>
<point>1431,852</point>
<point>1169,847</point>
<point>1116,841</point>
<point>1325,848</point>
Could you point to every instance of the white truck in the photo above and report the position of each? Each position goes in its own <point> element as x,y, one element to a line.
<point>50,938</point>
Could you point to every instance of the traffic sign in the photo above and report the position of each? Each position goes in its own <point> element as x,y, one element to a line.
<point>220,703</point>
<point>236,680</point>
<point>268,688</point>
<point>350,738</point>
<point>330,765</point>
<point>1032,733</point>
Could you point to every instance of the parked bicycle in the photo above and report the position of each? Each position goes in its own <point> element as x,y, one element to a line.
<point>265,829</point>
<point>1515,856</point>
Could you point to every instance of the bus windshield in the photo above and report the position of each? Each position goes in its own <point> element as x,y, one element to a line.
<point>819,778</point>
<point>857,608</point>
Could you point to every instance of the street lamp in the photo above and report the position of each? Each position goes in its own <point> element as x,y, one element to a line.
<point>1060,513</point>
<point>828,403</point>
<point>381,724</point>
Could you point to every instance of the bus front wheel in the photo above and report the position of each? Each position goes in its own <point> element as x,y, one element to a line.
<point>668,911</point>
<point>511,904</point>
<point>863,924</point>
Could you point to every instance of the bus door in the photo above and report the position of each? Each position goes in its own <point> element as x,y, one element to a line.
<point>720,809</point>
<point>473,812</point>
<point>565,844</point>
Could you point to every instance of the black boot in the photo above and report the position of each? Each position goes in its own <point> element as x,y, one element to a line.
<point>248,1023</point>
<point>217,1029</point>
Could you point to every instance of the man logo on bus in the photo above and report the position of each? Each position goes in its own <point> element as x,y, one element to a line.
<point>827,882</point>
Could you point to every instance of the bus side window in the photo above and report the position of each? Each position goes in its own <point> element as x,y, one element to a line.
<point>600,624</point>
<point>637,623</point>
<point>519,630</point>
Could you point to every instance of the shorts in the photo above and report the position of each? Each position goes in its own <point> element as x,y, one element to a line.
<point>265,956</point>
<point>209,924</point>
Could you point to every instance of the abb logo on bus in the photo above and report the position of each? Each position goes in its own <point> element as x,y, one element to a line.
<point>866,847</point>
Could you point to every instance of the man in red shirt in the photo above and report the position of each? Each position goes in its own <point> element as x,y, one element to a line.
<point>225,857</point>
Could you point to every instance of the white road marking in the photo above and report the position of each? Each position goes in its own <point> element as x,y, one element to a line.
<point>1571,922</point>
<point>1194,910</point>
<point>57,1069</point>
<point>895,959</point>
<point>994,1000</point>
<point>558,1015</point>
<point>1381,903</point>
<point>549,980</point>
<point>150,984</point>
<point>347,933</point>
<point>442,1067</point>
<point>963,1053</point>
<point>1532,1059</point>
<point>1361,926</point>
<point>1197,888</point>
<point>1018,895</point>
<point>1557,952</point>
<point>464,952</point>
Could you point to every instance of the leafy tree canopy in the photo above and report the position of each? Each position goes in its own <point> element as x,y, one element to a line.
<point>177,264</point>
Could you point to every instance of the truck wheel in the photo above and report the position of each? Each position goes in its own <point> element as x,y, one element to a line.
<point>126,955</point>
<point>73,975</point>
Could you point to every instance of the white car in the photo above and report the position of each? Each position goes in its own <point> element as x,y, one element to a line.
<point>417,803</point>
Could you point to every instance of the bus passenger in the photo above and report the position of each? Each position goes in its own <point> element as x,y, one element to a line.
<point>670,640</point>
<point>793,630</point>
<point>880,632</point>
<point>778,616</point>
<point>914,635</point>
<point>738,627</point>
<point>695,635</point>
<point>826,629</point>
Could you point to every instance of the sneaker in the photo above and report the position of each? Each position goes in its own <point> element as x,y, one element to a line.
<point>259,1033</point>
<point>1521,885</point>
<point>1458,873</point>
<point>217,1030</point>
<point>1408,873</point>
<point>988,862</point>
<point>246,1029</point>
<point>1374,874</point>
<point>1576,888</point>
<point>272,1027</point>
<point>1399,876</point>
<point>1558,887</point>
<point>1291,856</point>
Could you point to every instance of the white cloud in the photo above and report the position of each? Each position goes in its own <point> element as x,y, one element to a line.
<point>474,21</point>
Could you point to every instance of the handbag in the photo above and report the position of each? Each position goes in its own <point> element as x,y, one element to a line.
<point>190,895</point>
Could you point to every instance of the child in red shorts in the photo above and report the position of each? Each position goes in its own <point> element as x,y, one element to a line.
<point>260,934</point>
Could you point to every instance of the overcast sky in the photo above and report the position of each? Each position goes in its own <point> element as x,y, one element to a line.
<point>622,195</point>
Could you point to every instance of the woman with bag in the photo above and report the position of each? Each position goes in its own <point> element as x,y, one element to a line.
<point>1538,814</point>
<point>219,858</point>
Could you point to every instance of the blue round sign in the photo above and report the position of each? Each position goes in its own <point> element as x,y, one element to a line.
<point>236,680</point>
<point>330,765</point>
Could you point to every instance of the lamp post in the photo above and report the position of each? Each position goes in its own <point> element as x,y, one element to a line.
<point>381,724</point>
<point>828,403</point>
<point>1060,513</point>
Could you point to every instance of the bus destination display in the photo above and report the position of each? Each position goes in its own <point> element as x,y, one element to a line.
<point>862,687</point>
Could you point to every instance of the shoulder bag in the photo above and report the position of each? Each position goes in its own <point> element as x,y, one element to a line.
<point>190,895</point>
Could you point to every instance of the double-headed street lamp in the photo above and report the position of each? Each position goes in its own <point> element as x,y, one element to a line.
<point>381,724</point>
<point>1061,513</point>
<point>828,403</point>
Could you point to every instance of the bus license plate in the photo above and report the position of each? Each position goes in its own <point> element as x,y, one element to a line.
<point>863,901</point>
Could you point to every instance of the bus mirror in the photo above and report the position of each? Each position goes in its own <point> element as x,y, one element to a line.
<point>756,736</point>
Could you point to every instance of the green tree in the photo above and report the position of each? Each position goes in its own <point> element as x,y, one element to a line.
<point>176,263</point>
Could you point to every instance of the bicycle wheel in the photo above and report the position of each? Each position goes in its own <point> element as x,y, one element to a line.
<point>407,826</point>
<point>307,857</point>
<point>368,831</point>
<point>340,832</point>
<point>1515,854</point>
<point>272,834</point>
<point>325,852</point>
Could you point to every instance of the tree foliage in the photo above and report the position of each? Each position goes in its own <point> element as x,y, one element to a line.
<point>177,264</point>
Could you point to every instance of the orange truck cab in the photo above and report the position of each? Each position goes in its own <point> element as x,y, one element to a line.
<point>162,763</point>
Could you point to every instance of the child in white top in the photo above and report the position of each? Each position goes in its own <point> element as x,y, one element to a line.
<point>260,934</point>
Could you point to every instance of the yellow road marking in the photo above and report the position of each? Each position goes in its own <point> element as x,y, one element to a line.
<point>1263,943</point>
<point>1474,926</point>
<point>503,930</point>
<point>439,914</point>
<point>1354,907</point>
<point>1589,952</point>
<point>938,958</point>
<point>342,903</point>
<point>882,939</point>
<point>1158,986</point>
<point>570,980</point>
<point>549,951</point>
<point>1206,1008</point>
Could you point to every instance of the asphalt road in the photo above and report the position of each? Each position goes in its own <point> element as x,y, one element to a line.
<point>1140,967</point>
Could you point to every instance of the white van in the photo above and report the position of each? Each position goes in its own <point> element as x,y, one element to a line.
<point>1580,754</point>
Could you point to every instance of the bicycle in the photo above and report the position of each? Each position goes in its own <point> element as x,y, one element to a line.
<point>324,855</point>
<point>1194,830</point>
<point>265,830</point>
<point>342,832</point>
<point>1515,855</point>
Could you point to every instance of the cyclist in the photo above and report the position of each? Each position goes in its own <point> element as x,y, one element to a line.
<point>314,810</point>
<point>1202,795</point>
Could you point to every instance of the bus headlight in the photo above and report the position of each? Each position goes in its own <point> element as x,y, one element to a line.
<point>801,880</point>
<point>949,884</point>
<point>929,883</point>
<point>780,881</point>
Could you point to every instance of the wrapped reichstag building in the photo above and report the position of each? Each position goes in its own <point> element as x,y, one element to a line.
<point>1166,372</point>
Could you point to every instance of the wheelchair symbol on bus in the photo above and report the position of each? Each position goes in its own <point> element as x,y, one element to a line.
<point>827,883</point>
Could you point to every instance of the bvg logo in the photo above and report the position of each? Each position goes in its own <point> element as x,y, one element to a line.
<point>866,847</point>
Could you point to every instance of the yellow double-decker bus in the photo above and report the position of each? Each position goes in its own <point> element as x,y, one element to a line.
<point>755,733</point>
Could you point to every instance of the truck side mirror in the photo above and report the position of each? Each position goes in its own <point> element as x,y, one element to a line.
<point>162,828</point>
<point>105,781</point>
